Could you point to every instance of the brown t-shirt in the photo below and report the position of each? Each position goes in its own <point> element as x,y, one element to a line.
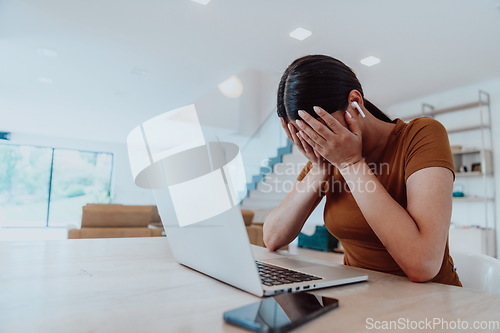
<point>419,144</point>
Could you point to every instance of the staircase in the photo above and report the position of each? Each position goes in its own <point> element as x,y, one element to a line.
<point>267,189</point>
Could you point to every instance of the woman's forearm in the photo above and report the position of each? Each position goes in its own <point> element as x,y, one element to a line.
<point>412,249</point>
<point>284,223</point>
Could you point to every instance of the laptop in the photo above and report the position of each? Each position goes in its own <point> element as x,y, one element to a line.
<point>219,247</point>
<point>198,186</point>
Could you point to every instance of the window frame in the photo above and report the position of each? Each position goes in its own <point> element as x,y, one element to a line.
<point>50,181</point>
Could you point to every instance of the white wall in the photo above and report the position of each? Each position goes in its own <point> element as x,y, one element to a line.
<point>243,120</point>
<point>124,190</point>
<point>234,120</point>
<point>240,116</point>
<point>460,95</point>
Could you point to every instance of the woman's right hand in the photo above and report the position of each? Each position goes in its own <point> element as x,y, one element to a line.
<point>284,223</point>
<point>316,160</point>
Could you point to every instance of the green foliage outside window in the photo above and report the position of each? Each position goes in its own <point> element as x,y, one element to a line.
<point>30,175</point>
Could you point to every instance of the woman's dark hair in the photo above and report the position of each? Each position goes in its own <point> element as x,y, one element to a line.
<point>319,80</point>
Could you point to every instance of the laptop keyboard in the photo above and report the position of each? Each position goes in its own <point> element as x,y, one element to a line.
<point>273,275</point>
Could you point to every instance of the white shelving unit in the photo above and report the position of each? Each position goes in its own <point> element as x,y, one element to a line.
<point>474,216</point>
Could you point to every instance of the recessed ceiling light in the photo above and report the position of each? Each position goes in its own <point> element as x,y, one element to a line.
<point>47,52</point>
<point>370,61</point>
<point>231,87</point>
<point>300,33</point>
<point>201,2</point>
<point>46,80</point>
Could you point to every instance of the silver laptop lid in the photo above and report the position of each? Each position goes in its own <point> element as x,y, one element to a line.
<point>197,187</point>
<point>207,232</point>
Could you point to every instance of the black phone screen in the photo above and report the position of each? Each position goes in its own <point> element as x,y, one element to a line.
<point>280,313</point>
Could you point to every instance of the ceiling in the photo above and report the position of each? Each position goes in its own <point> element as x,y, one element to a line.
<point>121,62</point>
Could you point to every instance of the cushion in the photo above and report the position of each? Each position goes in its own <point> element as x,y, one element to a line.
<point>156,216</point>
<point>112,215</point>
<point>115,232</point>
<point>247,216</point>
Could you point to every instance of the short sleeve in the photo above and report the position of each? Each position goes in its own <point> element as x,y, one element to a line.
<point>428,146</point>
<point>304,171</point>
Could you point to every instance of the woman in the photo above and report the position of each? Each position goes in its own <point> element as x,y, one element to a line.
<point>388,184</point>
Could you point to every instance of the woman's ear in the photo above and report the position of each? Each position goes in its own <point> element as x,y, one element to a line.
<point>357,107</point>
<point>355,96</point>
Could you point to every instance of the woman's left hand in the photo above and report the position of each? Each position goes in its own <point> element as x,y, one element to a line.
<point>338,145</point>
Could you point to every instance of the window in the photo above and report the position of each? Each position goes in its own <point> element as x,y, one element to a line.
<point>24,185</point>
<point>48,187</point>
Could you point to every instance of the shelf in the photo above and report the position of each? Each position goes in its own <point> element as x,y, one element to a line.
<point>467,128</point>
<point>412,116</point>
<point>475,119</point>
<point>460,107</point>
<point>454,226</point>
<point>471,158</point>
<point>469,174</point>
<point>472,238</point>
<point>472,198</point>
<point>468,151</point>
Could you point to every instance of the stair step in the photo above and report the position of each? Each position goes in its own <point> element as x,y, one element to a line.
<point>288,168</point>
<point>282,175</point>
<point>276,185</point>
<point>296,150</point>
<point>270,186</point>
<point>294,158</point>
<point>284,150</point>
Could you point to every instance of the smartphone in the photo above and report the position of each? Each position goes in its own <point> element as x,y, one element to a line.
<point>280,313</point>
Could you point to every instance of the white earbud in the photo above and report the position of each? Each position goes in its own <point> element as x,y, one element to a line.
<point>356,105</point>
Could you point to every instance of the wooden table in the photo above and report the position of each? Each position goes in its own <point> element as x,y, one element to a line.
<point>134,285</point>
